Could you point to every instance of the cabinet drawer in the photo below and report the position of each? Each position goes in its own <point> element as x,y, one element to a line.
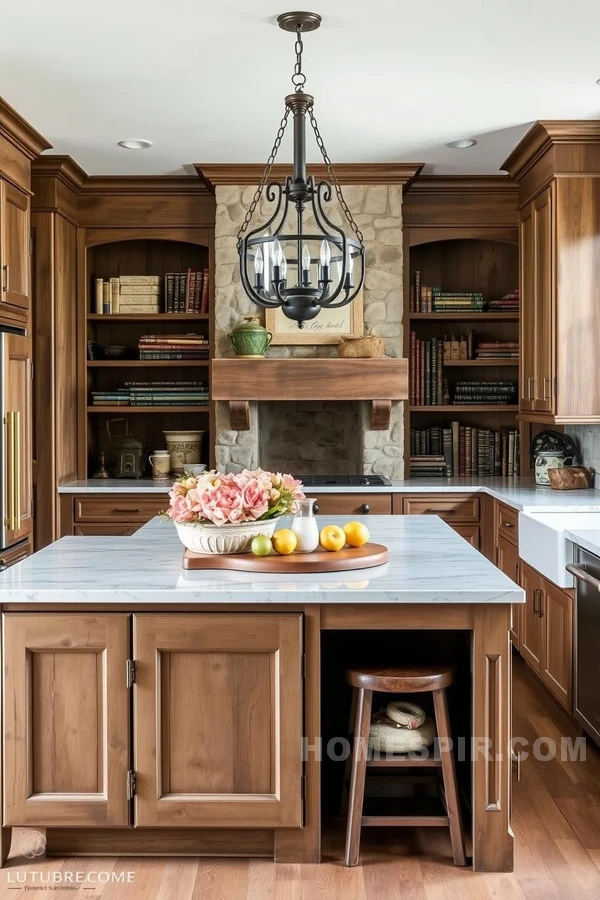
<point>469,532</point>
<point>452,509</point>
<point>507,524</point>
<point>117,529</point>
<point>352,504</point>
<point>124,507</point>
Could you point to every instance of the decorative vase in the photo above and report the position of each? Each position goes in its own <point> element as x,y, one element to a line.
<point>223,539</point>
<point>250,340</point>
<point>184,448</point>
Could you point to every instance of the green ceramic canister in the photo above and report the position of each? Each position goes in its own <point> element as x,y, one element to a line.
<point>250,339</point>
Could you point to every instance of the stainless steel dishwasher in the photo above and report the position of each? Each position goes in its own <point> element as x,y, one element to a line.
<point>587,642</point>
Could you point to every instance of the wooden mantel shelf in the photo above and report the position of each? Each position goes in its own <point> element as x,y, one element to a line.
<point>379,381</point>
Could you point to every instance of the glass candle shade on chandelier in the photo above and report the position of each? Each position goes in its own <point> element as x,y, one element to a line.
<point>285,262</point>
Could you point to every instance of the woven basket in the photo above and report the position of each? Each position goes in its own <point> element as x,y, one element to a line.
<point>368,347</point>
<point>389,739</point>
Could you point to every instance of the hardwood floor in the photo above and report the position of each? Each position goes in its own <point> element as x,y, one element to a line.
<point>556,820</point>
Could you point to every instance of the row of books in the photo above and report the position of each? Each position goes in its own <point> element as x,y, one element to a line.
<point>179,292</point>
<point>497,393</point>
<point>173,346</point>
<point>426,372</point>
<point>186,292</point>
<point>426,298</point>
<point>154,393</point>
<point>456,449</point>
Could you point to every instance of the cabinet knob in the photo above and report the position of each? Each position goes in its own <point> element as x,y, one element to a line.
<point>365,508</point>
<point>316,508</point>
<point>507,525</point>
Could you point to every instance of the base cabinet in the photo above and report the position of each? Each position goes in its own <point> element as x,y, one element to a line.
<point>172,720</point>
<point>66,720</point>
<point>507,560</point>
<point>547,633</point>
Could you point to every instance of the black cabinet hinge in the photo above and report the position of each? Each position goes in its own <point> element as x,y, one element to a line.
<point>130,676</point>
<point>131,784</point>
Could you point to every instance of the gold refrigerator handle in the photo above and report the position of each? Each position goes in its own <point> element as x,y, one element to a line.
<point>17,499</point>
<point>10,469</point>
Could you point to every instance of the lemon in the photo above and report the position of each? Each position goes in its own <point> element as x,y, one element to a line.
<point>284,541</point>
<point>356,533</point>
<point>261,545</point>
<point>332,538</point>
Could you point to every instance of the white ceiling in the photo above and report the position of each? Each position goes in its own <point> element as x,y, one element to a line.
<point>205,81</point>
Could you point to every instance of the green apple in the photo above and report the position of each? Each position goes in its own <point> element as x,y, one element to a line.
<point>261,545</point>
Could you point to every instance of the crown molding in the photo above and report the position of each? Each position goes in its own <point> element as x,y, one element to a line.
<point>213,174</point>
<point>144,185</point>
<point>463,184</point>
<point>63,168</point>
<point>542,135</point>
<point>20,133</point>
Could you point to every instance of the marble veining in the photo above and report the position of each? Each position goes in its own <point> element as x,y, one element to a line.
<point>429,563</point>
<point>520,493</point>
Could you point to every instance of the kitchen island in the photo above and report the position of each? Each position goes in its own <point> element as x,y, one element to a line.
<point>148,710</point>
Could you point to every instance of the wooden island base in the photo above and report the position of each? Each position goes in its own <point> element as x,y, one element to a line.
<point>211,778</point>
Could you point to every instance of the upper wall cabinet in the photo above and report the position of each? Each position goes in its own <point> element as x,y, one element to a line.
<point>15,233</point>
<point>557,166</point>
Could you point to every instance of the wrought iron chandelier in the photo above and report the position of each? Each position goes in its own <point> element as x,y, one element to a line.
<point>286,262</point>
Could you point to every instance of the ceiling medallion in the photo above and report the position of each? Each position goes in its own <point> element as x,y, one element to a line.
<point>288,262</point>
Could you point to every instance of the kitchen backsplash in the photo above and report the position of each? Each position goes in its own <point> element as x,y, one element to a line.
<point>588,438</point>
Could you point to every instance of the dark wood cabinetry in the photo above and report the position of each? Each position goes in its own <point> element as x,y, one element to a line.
<point>15,236</point>
<point>557,167</point>
<point>17,425</point>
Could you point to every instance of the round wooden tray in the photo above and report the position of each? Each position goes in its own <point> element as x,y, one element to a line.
<point>295,564</point>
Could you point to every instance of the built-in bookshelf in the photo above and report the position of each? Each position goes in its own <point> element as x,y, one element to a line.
<point>161,352</point>
<point>462,344</point>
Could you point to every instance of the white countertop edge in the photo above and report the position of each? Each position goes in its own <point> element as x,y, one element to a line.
<point>587,539</point>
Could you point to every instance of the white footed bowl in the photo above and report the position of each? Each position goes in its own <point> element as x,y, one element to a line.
<point>223,539</point>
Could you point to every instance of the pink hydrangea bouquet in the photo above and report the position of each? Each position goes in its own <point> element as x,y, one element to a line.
<point>228,510</point>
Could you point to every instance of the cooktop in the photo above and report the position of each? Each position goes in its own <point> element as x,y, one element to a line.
<point>344,480</point>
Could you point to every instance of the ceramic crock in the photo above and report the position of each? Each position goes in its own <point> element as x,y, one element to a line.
<point>221,539</point>
<point>184,448</point>
<point>250,339</point>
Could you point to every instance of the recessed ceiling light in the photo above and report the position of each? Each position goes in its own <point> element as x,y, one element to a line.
<point>135,144</point>
<point>461,145</point>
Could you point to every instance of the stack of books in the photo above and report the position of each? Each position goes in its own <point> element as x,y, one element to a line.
<point>186,292</point>
<point>491,350</point>
<point>173,346</point>
<point>508,303</point>
<point>154,393</point>
<point>464,450</point>
<point>463,301</point>
<point>129,295</point>
<point>498,393</point>
<point>426,368</point>
<point>427,467</point>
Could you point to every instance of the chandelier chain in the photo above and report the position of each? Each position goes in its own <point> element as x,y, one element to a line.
<point>333,177</point>
<point>265,175</point>
<point>298,78</point>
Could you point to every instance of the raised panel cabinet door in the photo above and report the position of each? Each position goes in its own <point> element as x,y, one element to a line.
<point>531,622</point>
<point>470,533</point>
<point>218,720</point>
<point>527,316</point>
<point>557,659</point>
<point>507,559</point>
<point>543,394</point>
<point>15,351</point>
<point>15,234</point>
<point>66,719</point>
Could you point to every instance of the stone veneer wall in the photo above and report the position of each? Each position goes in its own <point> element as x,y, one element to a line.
<point>588,437</point>
<point>332,435</point>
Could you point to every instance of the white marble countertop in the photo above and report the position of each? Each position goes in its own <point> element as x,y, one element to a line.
<point>429,563</point>
<point>520,493</point>
<point>588,538</point>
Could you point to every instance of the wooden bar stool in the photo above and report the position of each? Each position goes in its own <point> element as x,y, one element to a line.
<point>400,681</point>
